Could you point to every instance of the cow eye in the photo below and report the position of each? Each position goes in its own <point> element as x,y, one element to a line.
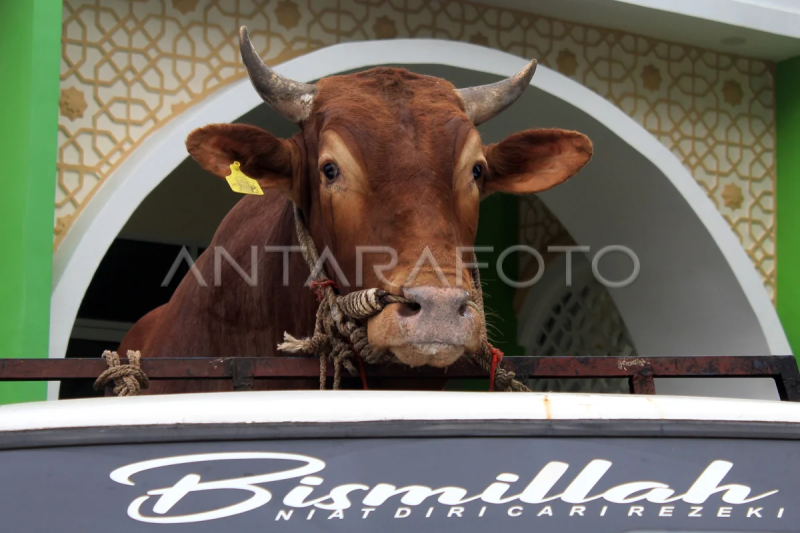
<point>331,171</point>
<point>477,171</point>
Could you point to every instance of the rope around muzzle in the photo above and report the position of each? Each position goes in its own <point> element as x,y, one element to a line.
<point>340,336</point>
<point>128,379</point>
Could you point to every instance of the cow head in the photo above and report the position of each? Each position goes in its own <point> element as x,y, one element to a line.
<point>389,170</point>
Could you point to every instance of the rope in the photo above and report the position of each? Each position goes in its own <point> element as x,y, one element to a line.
<point>504,380</point>
<point>497,355</point>
<point>361,371</point>
<point>339,336</point>
<point>128,379</point>
<point>317,287</point>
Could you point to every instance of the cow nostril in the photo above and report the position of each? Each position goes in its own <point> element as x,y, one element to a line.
<point>409,309</point>
<point>462,311</point>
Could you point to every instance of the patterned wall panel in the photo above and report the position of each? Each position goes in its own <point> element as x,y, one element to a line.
<point>128,66</point>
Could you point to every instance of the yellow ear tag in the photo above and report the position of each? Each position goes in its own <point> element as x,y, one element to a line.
<point>241,183</point>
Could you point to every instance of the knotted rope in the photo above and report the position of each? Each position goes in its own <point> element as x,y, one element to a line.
<point>337,334</point>
<point>128,379</point>
<point>340,337</point>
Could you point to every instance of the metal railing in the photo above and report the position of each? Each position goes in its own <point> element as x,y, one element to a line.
<point>244,371</point>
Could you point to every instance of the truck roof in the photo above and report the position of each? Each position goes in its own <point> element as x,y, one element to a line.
<point>288,407</point>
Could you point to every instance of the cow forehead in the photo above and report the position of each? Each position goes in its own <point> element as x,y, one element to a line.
<point>390,84</point>
<point>387,102</point>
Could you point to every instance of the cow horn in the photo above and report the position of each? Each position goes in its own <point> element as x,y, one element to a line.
<point>290,98</point>
<point>487,101</point>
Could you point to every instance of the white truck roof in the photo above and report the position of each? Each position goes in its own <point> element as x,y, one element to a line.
<point>275,407</point>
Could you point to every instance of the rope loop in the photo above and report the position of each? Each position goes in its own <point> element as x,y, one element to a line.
<point>128,379</point>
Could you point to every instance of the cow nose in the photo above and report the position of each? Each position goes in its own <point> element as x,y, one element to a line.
<point>435,330</point>
<point>436,306</point>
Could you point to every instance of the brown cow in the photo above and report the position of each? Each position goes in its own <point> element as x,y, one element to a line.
<point>385,158</point>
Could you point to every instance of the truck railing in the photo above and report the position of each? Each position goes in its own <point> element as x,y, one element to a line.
<point>244,371</point>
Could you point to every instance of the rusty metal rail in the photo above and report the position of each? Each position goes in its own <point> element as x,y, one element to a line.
<point>639,371</point>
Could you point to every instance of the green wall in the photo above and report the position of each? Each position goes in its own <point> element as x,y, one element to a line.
<point>30,55</point>
<point>787,114</point>
<point>499,227</point>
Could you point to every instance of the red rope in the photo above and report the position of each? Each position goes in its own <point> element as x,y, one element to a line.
<point>497,356</point>
<point>361,371</point>
<point>317,287</point>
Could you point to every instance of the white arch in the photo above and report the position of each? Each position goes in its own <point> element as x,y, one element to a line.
<point>80,253</point>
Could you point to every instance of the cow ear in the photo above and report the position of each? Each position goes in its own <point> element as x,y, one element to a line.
<point>272,162</point>
<point>535,160</point>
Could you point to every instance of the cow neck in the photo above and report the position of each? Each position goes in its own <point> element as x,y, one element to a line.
<point>341,336</point>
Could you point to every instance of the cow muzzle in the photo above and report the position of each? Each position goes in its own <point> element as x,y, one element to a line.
<point>440,327</point>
